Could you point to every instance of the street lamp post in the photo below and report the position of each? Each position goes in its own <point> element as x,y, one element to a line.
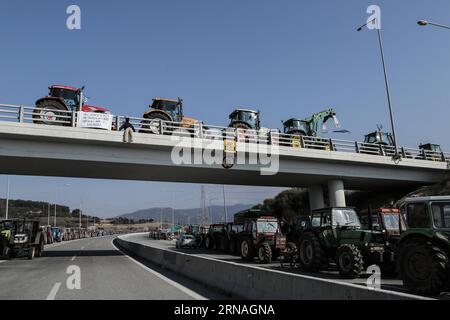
<point>7,198</point>
<point>424,23</point>
<point>388,91</point>
<point>225,209</point>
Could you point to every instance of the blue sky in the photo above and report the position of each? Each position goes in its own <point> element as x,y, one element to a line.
<point>286,58</point>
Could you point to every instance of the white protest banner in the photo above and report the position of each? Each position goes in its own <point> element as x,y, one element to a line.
<point>94,120</point>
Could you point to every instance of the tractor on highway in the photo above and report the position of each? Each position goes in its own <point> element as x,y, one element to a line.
<point>199,232</point>
<point>424,247</point>
<point>261,235</point>
<point>335,234</point>
<point>6,227</point>
<point>162,111</point>
<point>229,238</point>
<point>54,108</point>
<point>214,237</point>
<point>386,220</point>
<point>21,236</point>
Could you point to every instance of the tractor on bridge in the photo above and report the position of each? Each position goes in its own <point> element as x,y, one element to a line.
<point>57,107</point>
<point>424,247</point>
<point>309,127</point>
<point>379,137</point>
<point>162,111</point>
<point>336,234</point>
<point>247,122</point>
<point>431,151</point>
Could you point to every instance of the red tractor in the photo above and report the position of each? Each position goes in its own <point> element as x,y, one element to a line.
<point>55,108</point>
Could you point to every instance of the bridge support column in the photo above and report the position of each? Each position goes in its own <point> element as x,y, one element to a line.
<point>316,199</point>
<point>337,193</point>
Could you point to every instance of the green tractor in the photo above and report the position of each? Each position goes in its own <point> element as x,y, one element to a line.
<point>21,236</point>
<point>335,234</point>
<point>6,228</point>
<point>424,247</point>
<point>310,126</point>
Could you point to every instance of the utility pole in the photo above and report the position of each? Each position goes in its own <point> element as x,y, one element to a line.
<point>7,197</point>
<point>54,221</point>
<point>48,213</point>
<point>173,213</point>
<point>225,210</point>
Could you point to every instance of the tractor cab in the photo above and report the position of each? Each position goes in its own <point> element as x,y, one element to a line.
<point>379,137</point>
<point>245,119</point>
<point>172,107</point>
<point>296,126</point>
<point>70,95</point>
<point>431,147</point>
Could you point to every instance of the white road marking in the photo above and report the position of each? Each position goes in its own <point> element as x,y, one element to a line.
<point>54,291</point>
<point>73,258</point>
<point>180,287</point>
<point>2,261</point>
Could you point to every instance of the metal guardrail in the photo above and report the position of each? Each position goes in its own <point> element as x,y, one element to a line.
<point>24,114</point>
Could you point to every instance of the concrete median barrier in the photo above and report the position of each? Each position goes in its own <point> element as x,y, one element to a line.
<point>253,282</point>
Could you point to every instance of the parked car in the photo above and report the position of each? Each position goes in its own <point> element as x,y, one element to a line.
<point>186,241</point>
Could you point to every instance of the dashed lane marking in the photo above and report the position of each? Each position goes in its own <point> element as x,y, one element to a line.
<point>54,291</point>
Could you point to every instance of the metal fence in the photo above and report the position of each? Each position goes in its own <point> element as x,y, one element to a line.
<point>24,114</point>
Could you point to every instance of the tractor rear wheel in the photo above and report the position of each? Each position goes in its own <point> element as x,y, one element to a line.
<point>247,250</point>
<point>265,253</point>
<point>208,242</point>
<point>53,112</point>
<point>4,249</point>
<point>349,261</point>
<point>151,125</point>
<point>311,254</point>
<point>423,267</point>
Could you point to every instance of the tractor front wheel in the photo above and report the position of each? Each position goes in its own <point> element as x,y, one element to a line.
<point>423,267</point>
<point>247,250</point>
<point>349,261</point>
<point>311,254</point>
<point>265,253</point>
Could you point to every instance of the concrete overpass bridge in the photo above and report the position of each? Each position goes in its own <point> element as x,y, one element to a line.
<point>33,149</point>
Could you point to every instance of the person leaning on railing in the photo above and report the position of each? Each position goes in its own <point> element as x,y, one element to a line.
<point>129,129</point>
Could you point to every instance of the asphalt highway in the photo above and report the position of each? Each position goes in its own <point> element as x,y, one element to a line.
<point>104,272</point>
<point>387,283</point>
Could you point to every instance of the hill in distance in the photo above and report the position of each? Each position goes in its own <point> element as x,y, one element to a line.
<point>187,216</point>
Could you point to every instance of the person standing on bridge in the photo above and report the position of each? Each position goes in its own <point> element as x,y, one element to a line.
<point>129,129</point>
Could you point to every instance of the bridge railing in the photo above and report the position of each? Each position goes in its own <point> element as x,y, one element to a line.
<point>24,114</point>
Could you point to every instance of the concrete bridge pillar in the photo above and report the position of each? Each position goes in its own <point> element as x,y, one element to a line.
<point>316,199</point>
<point>337,193</point>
